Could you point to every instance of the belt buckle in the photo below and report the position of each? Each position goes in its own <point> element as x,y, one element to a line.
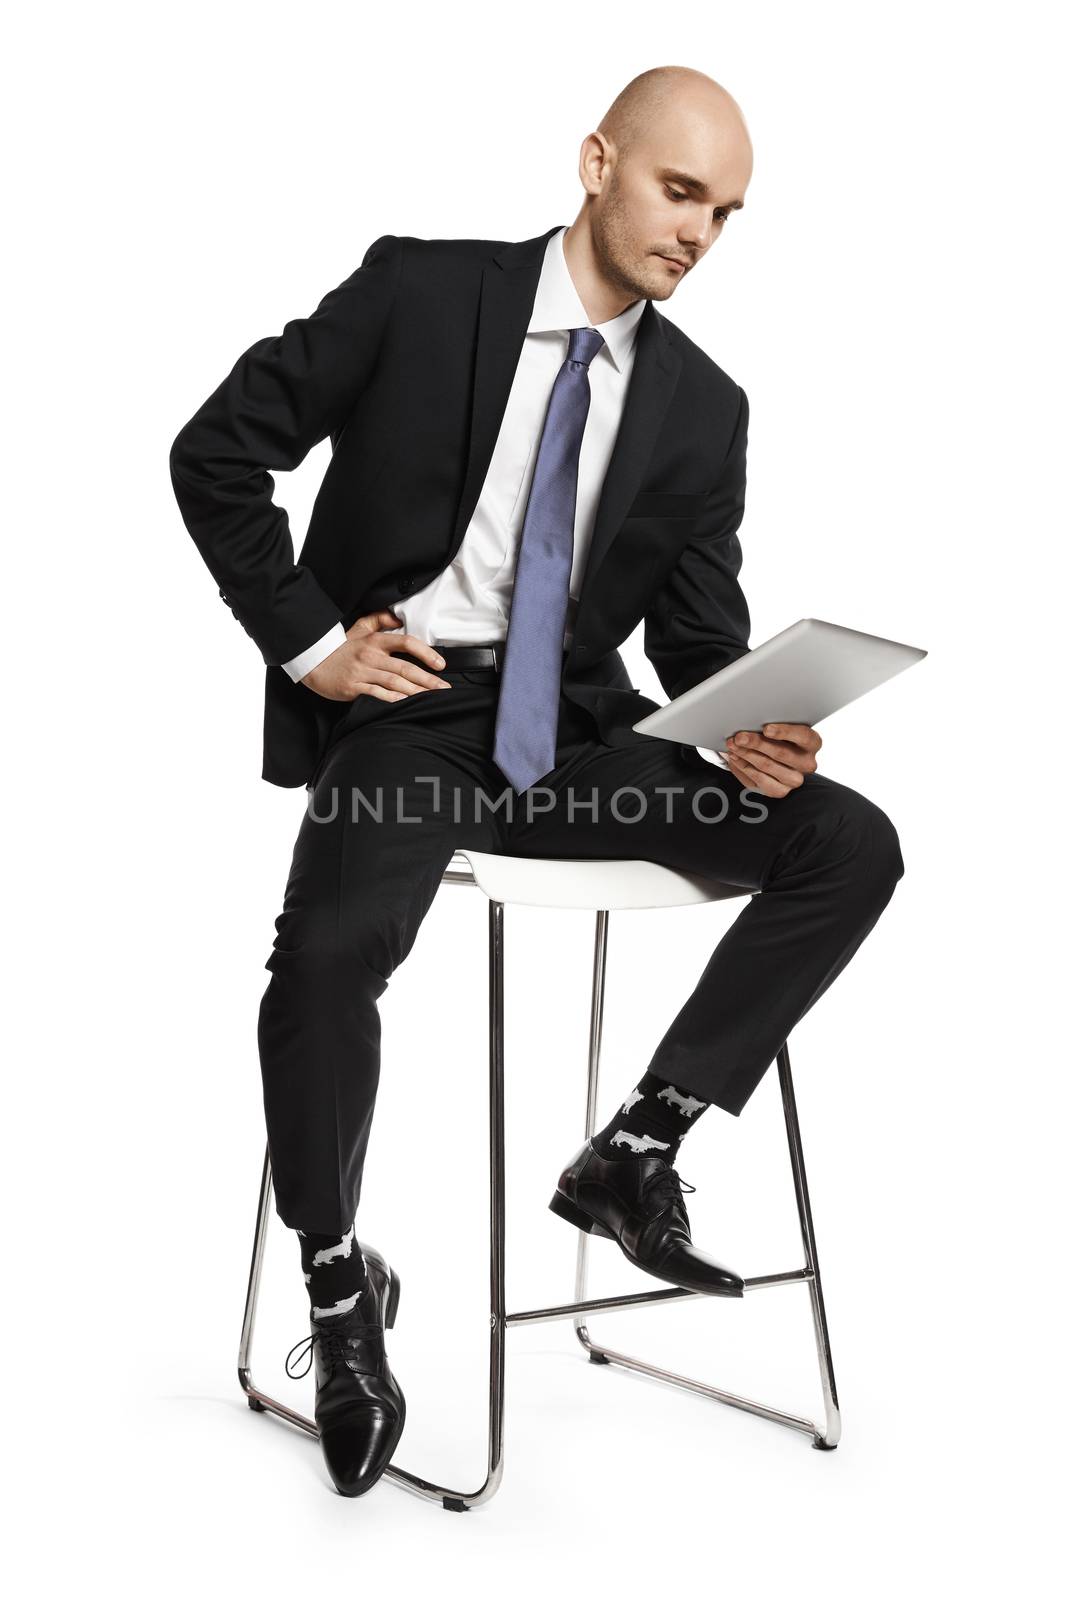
<point>498,656</point>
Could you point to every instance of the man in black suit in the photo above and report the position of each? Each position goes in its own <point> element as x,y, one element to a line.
<point>529,460</point>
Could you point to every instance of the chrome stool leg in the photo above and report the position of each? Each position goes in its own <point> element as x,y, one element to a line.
<point>259,1400</point>
<point>828,1438</point>
<point>823,1438</point>
<point>596,1030</point>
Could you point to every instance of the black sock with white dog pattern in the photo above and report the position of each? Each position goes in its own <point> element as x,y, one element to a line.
<point>335,1272</point>
<point>652,1120</point>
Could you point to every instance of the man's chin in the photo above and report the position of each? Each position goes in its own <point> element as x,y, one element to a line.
<point>660,290</point>
<point>646,283</point>
<point>661,285</point>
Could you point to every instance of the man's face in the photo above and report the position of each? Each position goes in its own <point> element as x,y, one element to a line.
<point>669,198</point>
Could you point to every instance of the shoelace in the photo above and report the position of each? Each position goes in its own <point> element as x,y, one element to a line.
<point>673,1186</point>
<point>333,1342</point>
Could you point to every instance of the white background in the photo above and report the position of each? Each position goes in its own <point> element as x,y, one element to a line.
<point>181,181</point>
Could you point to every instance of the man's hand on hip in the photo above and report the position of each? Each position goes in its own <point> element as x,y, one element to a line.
<point>364,663</point>
<point>773,762</point>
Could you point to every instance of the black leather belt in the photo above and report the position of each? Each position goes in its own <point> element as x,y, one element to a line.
<point>463,657</point>
<point>471,657</point>
<point>466,657</point>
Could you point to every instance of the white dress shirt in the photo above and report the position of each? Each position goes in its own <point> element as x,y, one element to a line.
<point>468,602</point>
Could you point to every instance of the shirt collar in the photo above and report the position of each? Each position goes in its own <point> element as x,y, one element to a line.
<point>557,306</point>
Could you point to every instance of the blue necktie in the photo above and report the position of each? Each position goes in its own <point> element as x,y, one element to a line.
<point>527,713</point>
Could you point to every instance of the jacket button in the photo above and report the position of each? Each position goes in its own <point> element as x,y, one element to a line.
<point>406,585</point>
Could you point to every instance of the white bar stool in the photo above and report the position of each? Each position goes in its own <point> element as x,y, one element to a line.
<point>603,887</point>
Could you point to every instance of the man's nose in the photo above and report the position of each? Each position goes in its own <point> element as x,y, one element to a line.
<point>695,237</point>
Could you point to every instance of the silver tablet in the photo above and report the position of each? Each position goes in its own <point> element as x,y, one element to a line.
<point>802,674</point>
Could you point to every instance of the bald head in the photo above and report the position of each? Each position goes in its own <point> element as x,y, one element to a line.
<point>668,164</point>
<point>666,91</point>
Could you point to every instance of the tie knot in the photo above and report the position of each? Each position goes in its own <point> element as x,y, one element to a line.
<point>584,344</point>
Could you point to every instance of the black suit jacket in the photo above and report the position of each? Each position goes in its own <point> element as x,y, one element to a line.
<point>406,366</point>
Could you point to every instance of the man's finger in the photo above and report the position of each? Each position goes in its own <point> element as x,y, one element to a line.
<point>761,782</point>
<point>795,732</point>
<point>374,622</point>
<point>376,692</point>
<point>412,645</point>
<point>781,771</point>
<point>404,673</point>
<point>749,774</point>
<point>782,759</point>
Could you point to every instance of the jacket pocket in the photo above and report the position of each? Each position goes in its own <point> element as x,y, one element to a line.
<point>655,504</point>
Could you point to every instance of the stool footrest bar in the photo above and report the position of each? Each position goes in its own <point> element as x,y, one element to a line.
<point>621,1302</point>
<point>769,1279</point>
<point>605,1357</point>
<point>618,1302</point>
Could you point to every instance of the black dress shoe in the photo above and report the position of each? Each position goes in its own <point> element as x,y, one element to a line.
<point>637,1201</point>
<point>359,1406</point>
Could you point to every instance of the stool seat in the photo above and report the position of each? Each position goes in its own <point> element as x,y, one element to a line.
<point>589,885</point>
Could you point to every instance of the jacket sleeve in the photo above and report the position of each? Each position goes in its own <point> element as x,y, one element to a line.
<point>285,395</point>
<point>699,621</point>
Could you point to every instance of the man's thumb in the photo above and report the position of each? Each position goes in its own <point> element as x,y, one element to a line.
<point>375,621</point>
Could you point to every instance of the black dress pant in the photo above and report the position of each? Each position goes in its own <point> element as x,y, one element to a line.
<point>407,782</point>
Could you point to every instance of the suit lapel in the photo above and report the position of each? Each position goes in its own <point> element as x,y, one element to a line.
<point>652,383</point>
<point>509,287</point>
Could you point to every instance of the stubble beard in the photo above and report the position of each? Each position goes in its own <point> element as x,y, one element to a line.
<point>621,256</point>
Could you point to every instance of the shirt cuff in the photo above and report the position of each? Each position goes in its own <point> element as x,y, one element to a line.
<point>309,659</point>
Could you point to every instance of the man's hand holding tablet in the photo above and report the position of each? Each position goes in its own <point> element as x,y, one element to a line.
<point>803,674</point>
<point>774,761</point>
